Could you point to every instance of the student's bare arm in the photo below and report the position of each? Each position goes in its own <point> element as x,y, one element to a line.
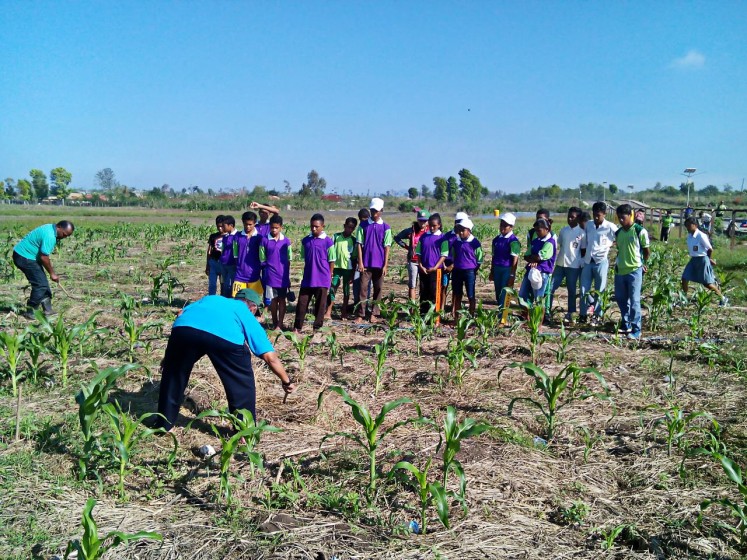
<point>269,208</point>
<point>276,366</point>
<point>386,260</point>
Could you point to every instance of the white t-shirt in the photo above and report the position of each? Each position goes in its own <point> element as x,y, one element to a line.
<point>698,244</point>
<point>598,240</point>
<point>569,247</point>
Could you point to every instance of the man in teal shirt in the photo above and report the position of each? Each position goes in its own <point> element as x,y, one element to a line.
<point>31,254</point>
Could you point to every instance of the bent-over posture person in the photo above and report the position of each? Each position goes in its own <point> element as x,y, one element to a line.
<point>31,256</point>
<point>227,332</point>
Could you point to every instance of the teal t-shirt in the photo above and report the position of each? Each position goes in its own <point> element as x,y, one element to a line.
<point>38,242</point>
<point>229,319</point>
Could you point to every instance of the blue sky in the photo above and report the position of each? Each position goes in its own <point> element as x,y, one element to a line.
<point>375,95</point>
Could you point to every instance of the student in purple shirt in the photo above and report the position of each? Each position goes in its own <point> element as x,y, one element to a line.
<point>432,250</point>
<point>450,237</point>
<point>246,250</point>
<point>318,254</point>
<point>363,215</point>
<point>227,260</point>
<point>467,254</point>
<point>214,251</point>
<point>374,242</point>
<point>540,256</point>
<point>265,213</point>
<point>275,254</point>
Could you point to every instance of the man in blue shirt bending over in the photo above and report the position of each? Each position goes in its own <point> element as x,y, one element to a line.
<point>31,254</point>
<point>227,331</point>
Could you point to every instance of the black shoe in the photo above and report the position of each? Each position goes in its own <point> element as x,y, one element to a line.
<point>46,305</point>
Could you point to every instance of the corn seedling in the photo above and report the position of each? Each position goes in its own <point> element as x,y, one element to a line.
<point>246,437</point>
<point>12,348</point>
<point>609,536</point>
<point>535,313</point>
<point>487,322</point>
<point>64,338</point>
<point>389,309</point>
<point>557,391</point>
<point>371,426</point>
<point>336,350</point>
<point>380,352</point>
<point>451,438</point>
<point>459,355</point>
<point>590,440</point>
<point>134,332</point>
<point>735,509</point>
<point>702,300</point>
<point>678,424</point>
<point>35,343</point>
<point>565,341</point>
<point>428,492</point>
<point>91,399</point>
<point>93,547</point>
<point>124,436</point>
<point>422,323</point>
<point>302,345</point>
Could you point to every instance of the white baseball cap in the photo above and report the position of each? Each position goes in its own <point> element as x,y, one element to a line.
<point>461,216</point>
<point>377,204</point>
<point>467,224</point>
<point>535,278</point>
<point>509,218</point>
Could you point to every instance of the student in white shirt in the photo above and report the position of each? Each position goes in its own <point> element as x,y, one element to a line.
<point>568,263</point>
<point>700,267</point>
<point>595,248</point>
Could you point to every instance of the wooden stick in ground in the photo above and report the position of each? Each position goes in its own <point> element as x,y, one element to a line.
<point>66,292</point>
<point>18,414</point>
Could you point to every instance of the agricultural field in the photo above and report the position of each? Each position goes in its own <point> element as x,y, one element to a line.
<point>404,439</point>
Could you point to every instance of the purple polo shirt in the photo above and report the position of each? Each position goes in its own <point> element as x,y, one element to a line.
<point>502,250</point>
<point>226,257</point>
<point>431,247</point>
<point>467,255</point>
<point>374,238</point>
<point>277,261</point>
<point>264,231</point>
<point>247,263</point>
<point>450,237</point>
<point>317,253</point>
<point>546,267</point>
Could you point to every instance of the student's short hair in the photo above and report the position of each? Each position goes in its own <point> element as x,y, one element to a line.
<point>574,210</point>
<point>584,217</point>
<point>249,217</point>
<point>691,221</point>
<point>542,223</point>
<point>599,207</point>
<point>435,217</point>
<point>317,218</point>
<point>65,224</point>
<point>276,220</point>
<point>351,220</point>
<point>230,220</point>
<point>624,210</point>
<point>219,219</point>
<point>542,212</point>
<point>364,214</point>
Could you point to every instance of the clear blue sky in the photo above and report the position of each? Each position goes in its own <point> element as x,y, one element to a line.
<point>375,95</point>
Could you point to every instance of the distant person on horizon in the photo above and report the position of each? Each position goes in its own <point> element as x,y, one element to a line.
<point>666,225</point>
<point>31,256</point>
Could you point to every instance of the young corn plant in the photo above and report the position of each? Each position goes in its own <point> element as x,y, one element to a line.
<point>735,508</point>
<point>702,300</point>
<point>93,547</point>
<point>428,492</point>
<point>678,424</point>
<point>246,437</point>
<point>336,350</point>
<point>12,345</point>
<point>389,309</point>
<point>558,391</point>
<point>302,345</point>
<point>487,322</point>
<point>134,332</point>
<point>91,399</point>
<point>35,343</point>
<point>535,313</point>
<point>64,339</point>
<point>125,434</point>
<point>423,324</point>
<point>380,352</point>
<point>460,354</point>
<point>372,436</point>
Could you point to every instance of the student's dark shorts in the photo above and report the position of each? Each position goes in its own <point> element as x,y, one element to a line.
<point>464,279</point>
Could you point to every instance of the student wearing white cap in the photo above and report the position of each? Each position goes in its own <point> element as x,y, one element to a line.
<point>374,242</point>
<point>450,237</point>
<point>505,259</point>
<point>467,254</point>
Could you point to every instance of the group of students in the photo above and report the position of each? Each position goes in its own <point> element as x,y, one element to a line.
<point>259,256</point>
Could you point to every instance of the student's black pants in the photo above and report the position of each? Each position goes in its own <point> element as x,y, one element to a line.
<point>36,276</point>
<point>232,362</point>
<point>372,280</point>
<point>320,306</point>
<point>430,290</point>
<point>664,234</point>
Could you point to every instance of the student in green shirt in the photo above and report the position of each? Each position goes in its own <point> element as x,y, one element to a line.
<point>344,244</point>
<point>31,256</point>
<point>666,224</point>
<point>632,254</point>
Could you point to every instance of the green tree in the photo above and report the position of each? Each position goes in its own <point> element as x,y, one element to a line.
<point>25,189</point>
<point>412,192</point>
<point>39,182</point>
<point>314,185</point>
<point>613,188</point>
<point>425,191</point>
<point>105,179</point>
<point>3,194</point>
<point>61,178</point>
<point>10,187</point>
<point>470,186</point>
<point>452,189</point>
<point>440,186</point>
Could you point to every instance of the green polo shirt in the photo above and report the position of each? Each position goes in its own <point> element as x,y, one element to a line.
<point>38,242</point>
<point>629,246</point>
